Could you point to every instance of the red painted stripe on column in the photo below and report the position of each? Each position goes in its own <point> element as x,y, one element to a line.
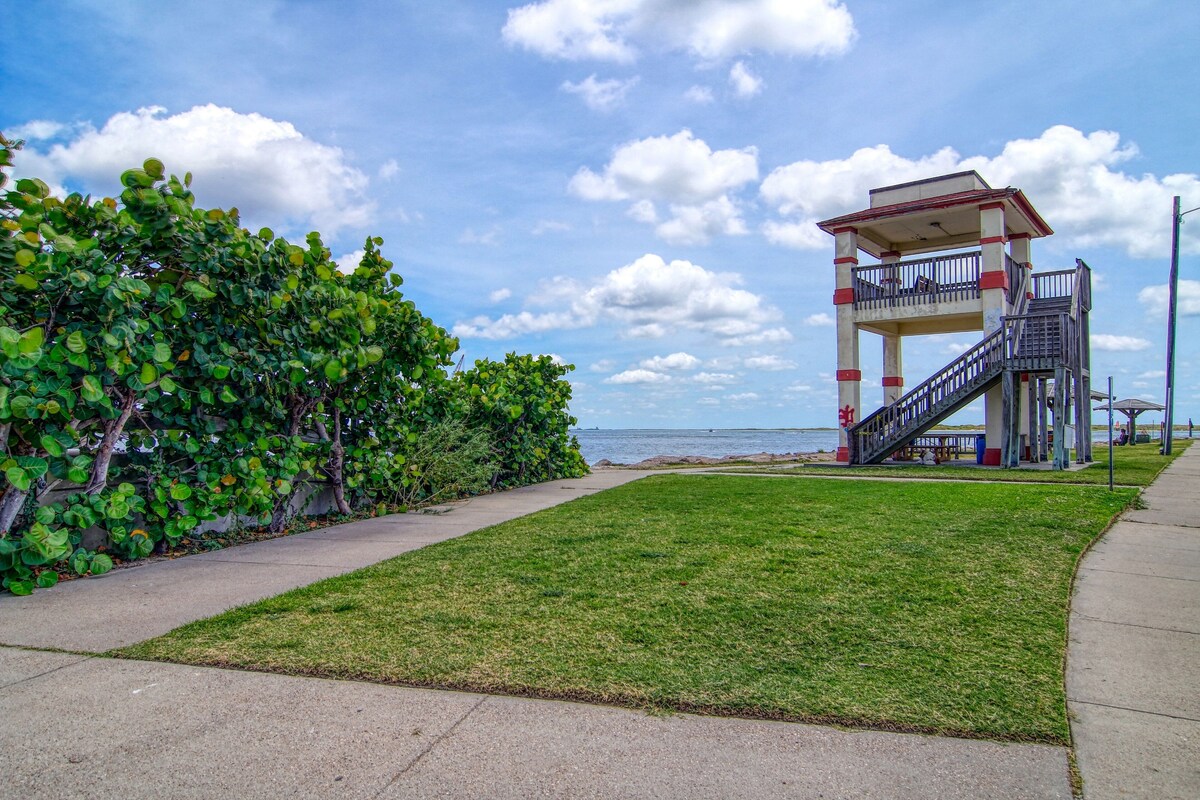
<point>843,455</point>
<point>993,280</point>
<point>991,457</point>
<point>890,254</point>
<point>843,296</point>
<point>1020,236</point>
<point>845,260</point>
<point>990,206</point>
<point>846,229</point>
<point>849,375</point>
<point>893,380</point>
<point>993,240</point>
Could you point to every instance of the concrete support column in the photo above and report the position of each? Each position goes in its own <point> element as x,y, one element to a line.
<point>893,370</point>
<point>1019,251</point>
<point>993,285</point>
<point>849,370</point>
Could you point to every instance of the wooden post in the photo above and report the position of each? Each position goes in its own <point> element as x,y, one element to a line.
<point>1031,408</point>
<point>1060,418</point>
<point>1043,429</point>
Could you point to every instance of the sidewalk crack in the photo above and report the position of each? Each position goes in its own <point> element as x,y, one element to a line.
<point>429,748</point>
<point>1133,710</point>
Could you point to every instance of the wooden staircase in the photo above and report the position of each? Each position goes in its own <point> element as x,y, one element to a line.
<point>1042,335</point>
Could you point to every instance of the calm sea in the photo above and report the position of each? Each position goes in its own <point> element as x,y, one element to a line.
<point>634,445</point>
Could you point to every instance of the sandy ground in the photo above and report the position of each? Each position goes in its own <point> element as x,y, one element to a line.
<point>705,461</point>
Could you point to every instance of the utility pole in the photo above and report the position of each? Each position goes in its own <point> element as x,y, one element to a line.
<point>1172,300</point>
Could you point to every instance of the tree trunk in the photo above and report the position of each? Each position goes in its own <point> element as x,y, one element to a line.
<point>10,507</point>
<point>337,460</point>
<point>112,433</point>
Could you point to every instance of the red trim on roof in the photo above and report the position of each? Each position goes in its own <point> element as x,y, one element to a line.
<point>990,206</point>
<point>975,197</point>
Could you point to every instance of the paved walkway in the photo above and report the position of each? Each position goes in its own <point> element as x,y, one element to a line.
<point>1133,663</point>
<point>76,725</point>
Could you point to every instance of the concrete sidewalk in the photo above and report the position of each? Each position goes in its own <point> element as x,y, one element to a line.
<point>1133,661</point>
<point>80,725</point>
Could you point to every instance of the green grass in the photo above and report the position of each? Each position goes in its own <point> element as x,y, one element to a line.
<point>1132,466</point>
<point>936,607</point>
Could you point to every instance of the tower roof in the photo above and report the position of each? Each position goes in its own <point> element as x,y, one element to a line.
<point>939,213</point>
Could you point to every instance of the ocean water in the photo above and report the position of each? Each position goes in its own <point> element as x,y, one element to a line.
<point>629,446</point>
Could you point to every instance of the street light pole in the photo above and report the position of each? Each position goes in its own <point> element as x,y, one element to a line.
<point>1172,298</point>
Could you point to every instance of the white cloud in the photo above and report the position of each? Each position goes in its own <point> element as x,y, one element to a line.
<point>645,376</point>
<point>675,361</point>
<point>600,95</point>
<point>743,397</point>
<point>820,320</point>
<point>714,379</point>
<point>488,238</point>
<point>700,95</point>
<point>769,336</point>
<point>681,171</point>
<point>648,298</point>
<point>269,170</point>
<point>1187,300</point>
<point>1118,344</point>
<point>1154,373</point>
<point>708,401</point>
<point>744,82</point>
<point>545,225</point>
<point>349,262</point>
<point>389,169</point>
<point>603,365</point>
<point>769,363</point>
<point>1073,179</point>
<point>611,30</point>
<point>957,348</point>
<point>36,129</point>
<point>500,295</point>
<point>555,358</point>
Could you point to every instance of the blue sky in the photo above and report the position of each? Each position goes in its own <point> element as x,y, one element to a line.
<point>630,185</point>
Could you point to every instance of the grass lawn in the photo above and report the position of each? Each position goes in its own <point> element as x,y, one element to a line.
<point>1136,465</point>
<point>935,606</point>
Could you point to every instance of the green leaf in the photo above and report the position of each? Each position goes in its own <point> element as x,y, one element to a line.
<point>199,290</point>
<point>148,374</point>
<point>333,369</point>
<point>76,343</point>
<point>10,342</point>
<point>51,446</point>
<point>154,168</point>
<point>47,579</point>
<point>167,385</point>
<point>25,257</point>
<point>162,352</point>
<point>18,478</point>
<point>181,491</point>
<point>25,281</point>
<point>220,371</point>
<point>32,340</point>
<point>21,588</point>
<point>91,389</point>
<point>101,564</point>
<point>227,396</point>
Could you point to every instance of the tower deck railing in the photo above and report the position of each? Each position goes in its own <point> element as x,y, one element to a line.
<point>928,280</point>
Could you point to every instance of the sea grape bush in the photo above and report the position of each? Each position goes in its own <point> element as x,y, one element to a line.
<point>162,367</point>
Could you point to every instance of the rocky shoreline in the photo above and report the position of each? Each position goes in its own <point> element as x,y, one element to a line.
<point>658,462</point>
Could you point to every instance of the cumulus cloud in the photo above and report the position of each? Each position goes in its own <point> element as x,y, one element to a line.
<point>743,397</point>
<point>500,295</point>
<point>488,238</point>
<point>675,361</point>
<point>769,336</point>
<point>744,82</point>
<point>600,95</point>
<point>1074,179</point>
<point>644,376</point>
<point>770,363</point>
<point>389,169</point>
<point>1118,344</point>
<point>349,262</point>
<point>37,129</point>
<point>715,380</point>
<point>648,298</point>
<point>546,225</point>
<point>700,95</point>
<point>265,167</point>
<point>1187,300</point>
<point>820,320</point>
<point>681,171</point>
<point>615,30</point>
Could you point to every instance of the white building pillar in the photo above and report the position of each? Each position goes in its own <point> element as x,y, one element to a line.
<point>849,373</point>
<point>1019,251</point>
<point>893,370</point>
<point>993,285</point>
